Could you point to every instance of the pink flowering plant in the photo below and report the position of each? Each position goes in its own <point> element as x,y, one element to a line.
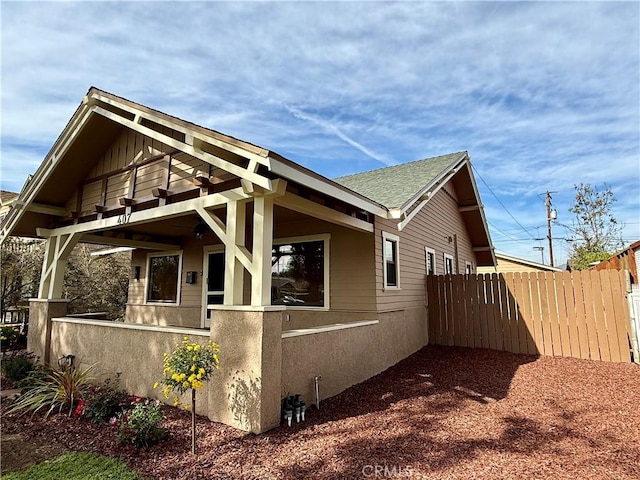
<point>188,367</point>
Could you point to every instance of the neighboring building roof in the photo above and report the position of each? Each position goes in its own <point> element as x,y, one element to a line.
<point>519,261</point>
<point>7,197</point>
<point>396,186</point>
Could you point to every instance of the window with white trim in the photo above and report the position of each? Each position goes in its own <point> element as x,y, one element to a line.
<point>468,268</point>
<point>300,272</point>
<point>163,277</point>
<point>430,260</point>
<point>391,261</point>
<point>448,264</point>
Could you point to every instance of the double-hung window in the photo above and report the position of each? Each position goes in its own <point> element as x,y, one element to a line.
<point>163,278</point>
<point>430,260</point>
<point>391,261</point>
<point>448,264</point>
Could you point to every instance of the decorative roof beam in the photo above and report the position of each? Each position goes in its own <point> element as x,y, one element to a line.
<point>46,209</point>
<point>192,150</point>
<point>125,242</point>
<point>194,136</point>
<point>150,215</point>
<point>302,205</point>
<point>469,208</point>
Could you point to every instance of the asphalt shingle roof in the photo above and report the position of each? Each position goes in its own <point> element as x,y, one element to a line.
<point>393,186</point>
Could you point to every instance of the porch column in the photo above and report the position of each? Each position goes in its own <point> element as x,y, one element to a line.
<point>246,391</point>
<point>262,245</point>
<point>57,251</point>
<point>234,242</point>
<point>41,311</point>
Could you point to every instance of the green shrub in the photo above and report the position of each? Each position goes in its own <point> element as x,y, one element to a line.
<point>140,426</point>
<point>18,365</point>
<point>60,388</point>
<point>9,336</point>
<point>102,402</point>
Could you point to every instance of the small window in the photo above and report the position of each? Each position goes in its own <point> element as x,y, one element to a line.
<point>300,272</point>
<point>391,263</point>
<point>430,260</point>
<point>448,264</point>
<point>163,278</point>
<point>468,268</point>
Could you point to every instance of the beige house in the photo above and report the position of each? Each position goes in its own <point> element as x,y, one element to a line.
<point>294,275</point>
<point>510,264</point>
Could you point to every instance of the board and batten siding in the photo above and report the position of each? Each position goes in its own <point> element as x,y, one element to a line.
<point>431,227</point>
<point>110,179</point>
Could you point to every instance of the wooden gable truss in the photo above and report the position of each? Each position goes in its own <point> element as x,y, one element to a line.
<point>169,169</point>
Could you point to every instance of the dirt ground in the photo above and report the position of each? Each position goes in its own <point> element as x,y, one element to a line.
<point>443,413</point>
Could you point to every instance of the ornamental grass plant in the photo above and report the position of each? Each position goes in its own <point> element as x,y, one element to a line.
<point>58,389</point>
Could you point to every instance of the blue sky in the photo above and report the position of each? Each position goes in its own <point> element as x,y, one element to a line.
<point>543,95</point>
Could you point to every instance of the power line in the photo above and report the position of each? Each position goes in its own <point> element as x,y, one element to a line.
<point>501,204</point>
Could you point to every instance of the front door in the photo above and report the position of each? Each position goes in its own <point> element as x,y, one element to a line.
<point>213,294</point>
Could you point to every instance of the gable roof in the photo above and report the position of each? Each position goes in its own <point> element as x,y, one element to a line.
<point>397,186</point>
<point>528,263</point>
<point>7,197</point>
<point>388,192</point>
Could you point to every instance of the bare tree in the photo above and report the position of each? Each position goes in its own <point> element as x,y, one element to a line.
<point>597,229</point>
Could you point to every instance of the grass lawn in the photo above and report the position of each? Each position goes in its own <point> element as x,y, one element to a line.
<point>76,466</point>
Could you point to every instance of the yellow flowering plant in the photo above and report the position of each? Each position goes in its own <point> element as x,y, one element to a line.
<point>187,368</point>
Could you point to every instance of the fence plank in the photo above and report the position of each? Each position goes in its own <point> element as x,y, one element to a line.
<point>475,306</point>
<point>535,312</point>
<point>554,317</point>
<point>573,350</point>
<point>450,325</point>
<point>525,323</point>
<point>442,311</point>
<point>563,315</point>
<point>577,282</point>
<point>460,333</point>
<point>431,314</point>
<point>467,308</point>
<point>606,281</point>
<point>504,317</point>
<point>621,314</point>
<point>484,323</point>
<point>592,332</point>
<point>599,316</point>
<point>497,311</point>
<point>518,329</point>
<point>545,314</point>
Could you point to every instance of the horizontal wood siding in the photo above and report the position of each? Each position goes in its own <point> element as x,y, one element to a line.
<point>431,227</point>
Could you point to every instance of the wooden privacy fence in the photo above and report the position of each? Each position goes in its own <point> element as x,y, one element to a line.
<point>579,314</point>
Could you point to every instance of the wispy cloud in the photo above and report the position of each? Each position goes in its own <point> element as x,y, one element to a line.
<point>543,95</point>
<point>328,126</point>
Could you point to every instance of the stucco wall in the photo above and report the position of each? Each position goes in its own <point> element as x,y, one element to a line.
<point>179,316</point>
<point>135,350</point>
<point>349,356</point>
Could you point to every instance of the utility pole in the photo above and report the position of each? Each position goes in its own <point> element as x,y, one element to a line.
<point>551,215</point>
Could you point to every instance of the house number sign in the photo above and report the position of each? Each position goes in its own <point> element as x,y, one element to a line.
<point>124,218</point>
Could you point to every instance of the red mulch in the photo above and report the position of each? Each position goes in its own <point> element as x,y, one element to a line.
<point>443,413</point>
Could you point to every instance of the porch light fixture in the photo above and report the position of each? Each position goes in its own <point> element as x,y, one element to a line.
<point>136,272</point>
<point>200,230</point>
